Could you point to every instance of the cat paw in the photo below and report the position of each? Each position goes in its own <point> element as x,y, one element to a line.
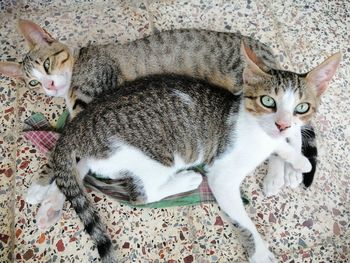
<point>272,184</point>
<point>292,178</point>
<point>36,193</point>
<point>263,256</point>
<point>302,164</point>
<point>190,180</point>
<point>49,212</point>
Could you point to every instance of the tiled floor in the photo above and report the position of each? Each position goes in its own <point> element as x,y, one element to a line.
<point>300,225</point>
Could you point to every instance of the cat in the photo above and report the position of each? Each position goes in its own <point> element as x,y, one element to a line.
<point>82,74</point>
<point>154,127</point>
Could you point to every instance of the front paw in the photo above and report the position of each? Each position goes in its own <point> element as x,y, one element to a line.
<point>292,178</point>
<point>302,164</point>
<point>273,182</point>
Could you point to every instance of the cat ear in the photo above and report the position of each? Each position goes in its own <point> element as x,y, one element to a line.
<point>253,72</point>
<point>11,69</point>
<point>33,33</point>
<point>320,76</point>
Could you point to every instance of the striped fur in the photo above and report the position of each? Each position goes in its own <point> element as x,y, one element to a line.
<point>163,117</point>
<point>209,55</point>
<point>160,131</point>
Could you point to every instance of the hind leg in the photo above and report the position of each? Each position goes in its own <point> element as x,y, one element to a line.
<point>225,186</point>
<point>151,180</point>
<point>226,189</point>
<point>37,191</point>
<point>154,180</point>
<point>51,207</point>
<point>179,183</point>
<point>144,189</point>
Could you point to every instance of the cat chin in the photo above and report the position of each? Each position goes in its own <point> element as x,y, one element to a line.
<point>60,92</point>
<point>277,134</point>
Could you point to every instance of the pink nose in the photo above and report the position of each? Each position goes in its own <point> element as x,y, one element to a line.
<point>51,85</point>
<point>281,126</point>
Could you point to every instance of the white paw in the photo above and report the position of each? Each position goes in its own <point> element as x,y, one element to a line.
<point>263,256</point>
<point>292,177</point>
<point>272,184</point>
<point>273,181</point>
<point>302,164</point>
<point>36,193</point>
<point>190,180</point>
<point>50,211</point>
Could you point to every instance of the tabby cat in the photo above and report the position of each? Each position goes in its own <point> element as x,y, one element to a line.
<point>153,128</point>
<point>80,75</point>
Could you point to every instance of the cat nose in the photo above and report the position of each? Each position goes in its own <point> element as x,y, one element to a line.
<point>51,85</point>
<point>281,126</point>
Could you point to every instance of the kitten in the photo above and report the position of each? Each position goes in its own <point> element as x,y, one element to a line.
<point>82,75</point>
<point>154,127</point>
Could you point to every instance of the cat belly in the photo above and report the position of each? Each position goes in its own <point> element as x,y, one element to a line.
<point>153,180</point>
<point>129,158</point>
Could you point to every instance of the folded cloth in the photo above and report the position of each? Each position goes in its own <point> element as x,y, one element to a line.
<point>40,132</point>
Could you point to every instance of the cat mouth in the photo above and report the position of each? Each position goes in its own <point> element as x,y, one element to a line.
<point>278,134</point>
<point>56,91</point>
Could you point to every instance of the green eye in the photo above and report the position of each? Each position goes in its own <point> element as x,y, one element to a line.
<point>302,108</point>
<point>33,82</point>
<point>267,101</point>
<point>47,64</point>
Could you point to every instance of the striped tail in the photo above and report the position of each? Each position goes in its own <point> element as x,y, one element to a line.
<point>70,184</point>
<point>309,149</point>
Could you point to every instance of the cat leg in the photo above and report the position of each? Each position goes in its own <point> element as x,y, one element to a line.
<point>281,173</point>
<point>275,177</point>
<point>51,207</point>
<point>38,189</point>
<point>225,185</point>
<point>181,182</point>
<point>292,177</point>
<point>153,181</point>
<point>297,160</point>
<point>36,193</point>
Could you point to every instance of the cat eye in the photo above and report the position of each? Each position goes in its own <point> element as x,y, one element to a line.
<point>302,108</point>
<point>267,101</point>
<point>33,82</point>
<point>47,65</point>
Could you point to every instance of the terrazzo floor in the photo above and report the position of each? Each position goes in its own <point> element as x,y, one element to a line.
<point>301,225</point>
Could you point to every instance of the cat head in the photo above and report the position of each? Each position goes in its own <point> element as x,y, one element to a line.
<point>280,100</point>
<point>48,63</point>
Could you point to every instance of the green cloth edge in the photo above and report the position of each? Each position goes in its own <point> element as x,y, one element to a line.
<point>181,201</point>
<point>62,120</point>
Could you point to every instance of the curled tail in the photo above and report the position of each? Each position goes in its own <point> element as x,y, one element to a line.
<point>309,149</point>
<point>70,184</point>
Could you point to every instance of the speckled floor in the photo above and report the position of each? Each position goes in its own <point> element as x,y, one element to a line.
<point>300,225</point>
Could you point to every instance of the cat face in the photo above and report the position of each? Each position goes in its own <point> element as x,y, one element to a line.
<point>281,100</point>
<point>48,64</point>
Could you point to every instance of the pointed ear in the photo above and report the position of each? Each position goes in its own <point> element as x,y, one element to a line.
<point>254,70</point>
<point>33,33</point>
<point>11,69</point>
<point>320,76</point>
